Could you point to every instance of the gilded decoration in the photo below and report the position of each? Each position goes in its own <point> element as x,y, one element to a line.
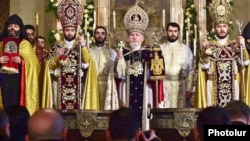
<point>181,119</point>
<point>184,122</point>
<point>157,69</point>
<point>153,8</point>
<point>86,123</point>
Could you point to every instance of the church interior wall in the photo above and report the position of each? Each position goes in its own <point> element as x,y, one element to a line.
<point>27,9</point>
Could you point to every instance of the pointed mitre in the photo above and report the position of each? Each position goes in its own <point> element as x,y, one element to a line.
<point>136,20</point>
<point>69,13</point>
<point>220,11</point>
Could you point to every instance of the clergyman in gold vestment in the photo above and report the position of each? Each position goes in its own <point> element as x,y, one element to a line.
<point>19,73</point>
<point>104,58</point>
<point>65,63</point>
<point>220,74</point>
<point>179,70</point>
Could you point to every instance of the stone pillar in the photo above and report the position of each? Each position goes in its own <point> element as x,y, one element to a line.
<point>103,12</point>
<point>176,14</point>
<point>202,19</point>
<point>175,10</point>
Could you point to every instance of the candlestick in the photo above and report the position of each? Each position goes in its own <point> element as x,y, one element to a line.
<point>94,19</point>
<point>105,16</point>
<point>181,24</point>
<point>172,14</point>
<point>200,35</point>
<point>187,38</point>
<point>181,29</point>
<point>87,39</point>
<point>163,18</point>
<point>114,20</point>
<point>94,24</point>
<point>85,26</point>
<point>195,32</point>
<point>188,24</point>
<point>37,18</point>
<point>194,47</point>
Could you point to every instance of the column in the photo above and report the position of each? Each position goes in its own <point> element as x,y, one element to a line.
<point>176,14</point>
<point>202,19</point>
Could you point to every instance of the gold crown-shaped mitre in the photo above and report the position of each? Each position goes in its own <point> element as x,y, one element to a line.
<point>136,20</point>
<point>69,12</point>
<point>220,11</point>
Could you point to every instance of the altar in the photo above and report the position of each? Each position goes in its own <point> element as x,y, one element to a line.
<point>170,124</point>
<point>84,125</point>
<point>174,124</point>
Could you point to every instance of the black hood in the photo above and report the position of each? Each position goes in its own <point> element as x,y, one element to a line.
<point>14,19</point>
<point>246,31</point>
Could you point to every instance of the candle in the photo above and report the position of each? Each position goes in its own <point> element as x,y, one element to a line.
<point>87,39</point>
<point>181,24</point>
<point>172,14</point>
<point>94,19</point>
<point>195,32</point>
<point>105,16</point>
<point>194,47</point>
<point>163,18</point>
<point>114,22</point>
<point>187,38</point>
<point>188,24</point>
<point>181,29</point>
<point>37,18</point>
<point>94,24</point>
<point>85,25</point>
<point>200,35</point>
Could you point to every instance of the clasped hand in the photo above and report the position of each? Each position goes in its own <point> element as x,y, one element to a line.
<point>119,54</point>
<point>61,51</point>
<point>81,40</point>
<point>15,59</point>
<point>205,43</point>
<point>241,41</point>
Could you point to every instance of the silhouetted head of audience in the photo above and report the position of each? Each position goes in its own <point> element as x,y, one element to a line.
<point>239,112</point>
<point>46,125</point>
<point>124,126</point>
<point>4,126</point>
<point>213,115</point>
<point>18,118</point>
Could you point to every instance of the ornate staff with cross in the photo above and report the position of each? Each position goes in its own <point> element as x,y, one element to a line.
<point>239,24</point>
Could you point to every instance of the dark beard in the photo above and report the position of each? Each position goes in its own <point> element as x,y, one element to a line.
<point>99,42</point>
<point>172,39</point>
<point>13,33</point>
<point>70,38</point>
<point>221,37</point>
